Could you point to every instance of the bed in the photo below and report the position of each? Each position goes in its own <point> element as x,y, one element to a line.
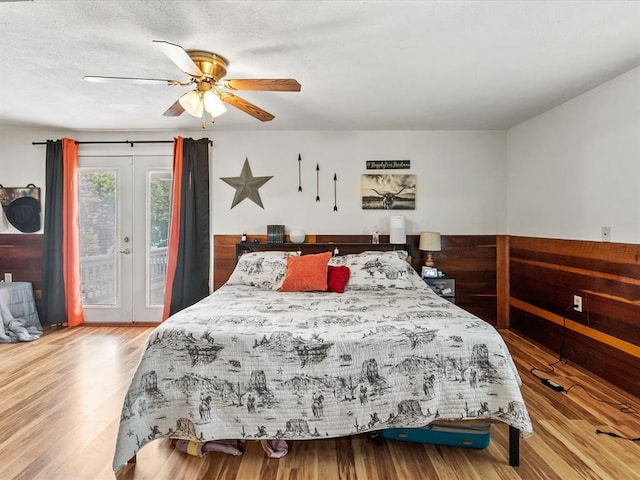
<point>254,362</point>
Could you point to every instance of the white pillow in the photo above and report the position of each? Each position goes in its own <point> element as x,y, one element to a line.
<point>265,270</point>
<point>373,270</point>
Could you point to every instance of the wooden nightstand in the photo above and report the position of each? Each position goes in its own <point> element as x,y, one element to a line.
<point>443,286</point>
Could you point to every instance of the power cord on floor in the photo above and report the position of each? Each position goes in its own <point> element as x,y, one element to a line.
<point>561,359</point>
<point>622,407</point>
<point>612,434</point>
<point>549,370</point>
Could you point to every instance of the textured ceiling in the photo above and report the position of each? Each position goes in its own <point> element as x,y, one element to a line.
<point>375,65</point>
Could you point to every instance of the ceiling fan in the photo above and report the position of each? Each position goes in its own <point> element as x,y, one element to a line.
<point>211,92</point>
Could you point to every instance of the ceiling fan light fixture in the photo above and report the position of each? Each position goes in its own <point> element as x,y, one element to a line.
<point>213,104</point>
<point>206,71</point>
<point>192,103</point>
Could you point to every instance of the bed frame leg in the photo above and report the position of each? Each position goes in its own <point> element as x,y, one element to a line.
<point>122,473</point>
<point>514,446</point>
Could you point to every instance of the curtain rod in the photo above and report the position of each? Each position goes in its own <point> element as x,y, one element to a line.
<point>129,142</point>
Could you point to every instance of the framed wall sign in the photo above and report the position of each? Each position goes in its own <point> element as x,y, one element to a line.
<point>388,164</point>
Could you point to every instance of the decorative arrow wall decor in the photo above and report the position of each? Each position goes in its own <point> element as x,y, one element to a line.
<point>317,182</point>
<point>299,174</point>
<point>335,195</point>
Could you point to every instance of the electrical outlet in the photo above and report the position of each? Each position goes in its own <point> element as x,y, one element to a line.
<point>8,277</point>
<point>606,234</point>
<point>577,303</point>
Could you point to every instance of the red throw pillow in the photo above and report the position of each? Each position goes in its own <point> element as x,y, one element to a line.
<point>307,273</point>
<point>337,278</point>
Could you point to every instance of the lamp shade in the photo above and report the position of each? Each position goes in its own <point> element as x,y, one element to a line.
<point>213,104</point>
<point>430,241</point>
<point>192,103</point>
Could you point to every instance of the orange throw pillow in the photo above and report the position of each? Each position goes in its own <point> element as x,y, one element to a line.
<point>307,273</point>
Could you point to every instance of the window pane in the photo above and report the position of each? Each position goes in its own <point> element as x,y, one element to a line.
<point>158,234</point>
<point>97,214</point>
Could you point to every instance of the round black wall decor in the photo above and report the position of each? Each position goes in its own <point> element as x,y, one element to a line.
<point>24,214</point>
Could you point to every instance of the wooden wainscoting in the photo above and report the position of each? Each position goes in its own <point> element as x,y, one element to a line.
<point>471,259</point>
<point>21,254</point>
<point>544,276</point>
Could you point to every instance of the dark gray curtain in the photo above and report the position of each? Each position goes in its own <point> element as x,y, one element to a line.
<point>191,280</point>
<point>53,293</point>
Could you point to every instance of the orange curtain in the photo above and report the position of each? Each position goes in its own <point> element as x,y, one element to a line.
<point>174,224</point>
<point>71,234</point>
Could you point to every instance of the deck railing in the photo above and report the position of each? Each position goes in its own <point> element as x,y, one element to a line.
<point>98,277</point>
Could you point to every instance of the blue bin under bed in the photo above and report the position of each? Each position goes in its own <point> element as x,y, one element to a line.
<point>468,435</point>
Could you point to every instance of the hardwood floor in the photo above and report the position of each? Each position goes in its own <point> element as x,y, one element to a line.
<point>60,401</point>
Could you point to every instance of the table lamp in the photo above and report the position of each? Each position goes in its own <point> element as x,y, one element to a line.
<point>430,242</point>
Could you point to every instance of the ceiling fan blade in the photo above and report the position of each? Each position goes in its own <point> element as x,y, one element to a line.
<point>143,81</point>
<point>246,106</point>
<point>266,84</point>
<point>174,110</point>
<point>180,57</point>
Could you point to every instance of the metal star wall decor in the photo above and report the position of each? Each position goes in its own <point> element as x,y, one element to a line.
<point>246,185</point>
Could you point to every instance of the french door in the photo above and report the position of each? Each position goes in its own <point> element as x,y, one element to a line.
<point>124,209</point>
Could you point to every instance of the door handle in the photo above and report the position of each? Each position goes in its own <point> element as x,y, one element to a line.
<point>126,251</point>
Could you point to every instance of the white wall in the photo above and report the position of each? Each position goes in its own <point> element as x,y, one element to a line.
<point>460,175</point>
<point>576,167</point>
<point>460,178</point>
